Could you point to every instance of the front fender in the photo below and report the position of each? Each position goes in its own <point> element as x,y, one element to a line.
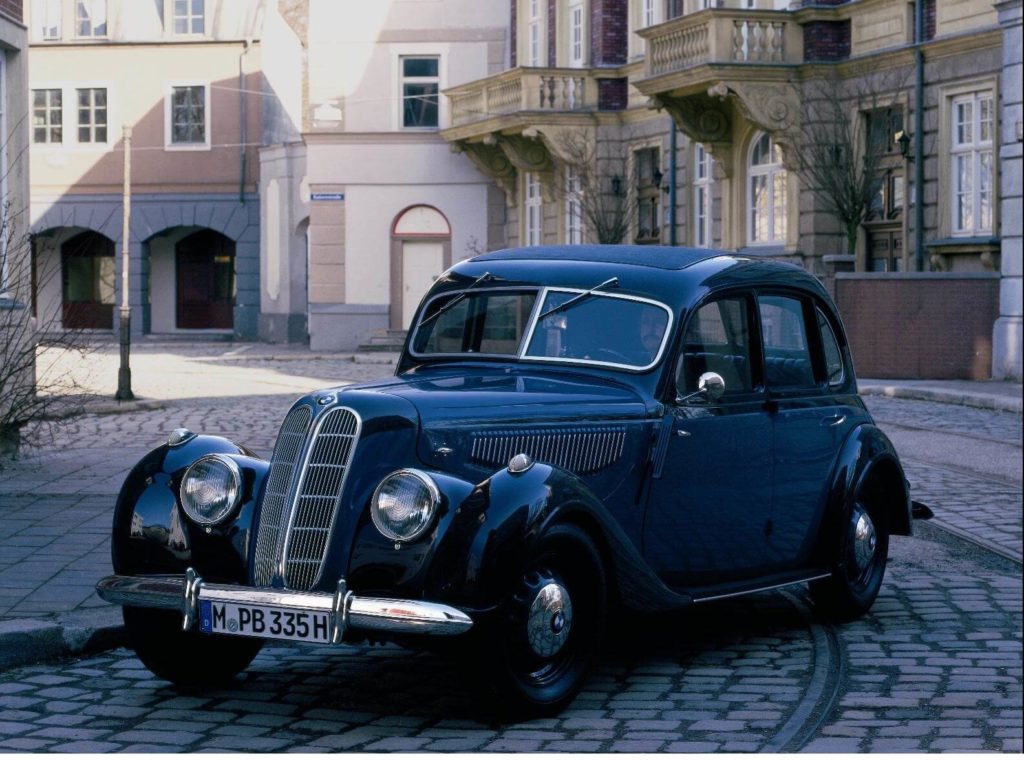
<point>151,532</point>
<point>486,535</point>
<point>867,457</point>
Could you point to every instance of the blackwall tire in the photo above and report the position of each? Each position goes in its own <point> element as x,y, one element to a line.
<point>190,660</point>
<point>538,652</point>
<point>850,591</point>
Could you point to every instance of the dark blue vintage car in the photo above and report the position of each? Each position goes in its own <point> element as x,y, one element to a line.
<point>570,431</point>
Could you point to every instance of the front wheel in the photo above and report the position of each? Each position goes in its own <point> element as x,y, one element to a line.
<point>850,591</point>
<point>538,652</point>
<point>186,658</point>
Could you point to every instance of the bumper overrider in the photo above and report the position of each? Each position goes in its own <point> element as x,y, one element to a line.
<point>346,610</point>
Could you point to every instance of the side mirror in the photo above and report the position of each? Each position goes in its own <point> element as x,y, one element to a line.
<point>710,387</point>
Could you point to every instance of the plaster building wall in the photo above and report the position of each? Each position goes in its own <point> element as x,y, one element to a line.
<point>179,185</point>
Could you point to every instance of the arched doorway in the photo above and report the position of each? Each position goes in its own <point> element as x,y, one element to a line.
<point>205,278</point>
<point>88,282</point>
<point>421,248</point>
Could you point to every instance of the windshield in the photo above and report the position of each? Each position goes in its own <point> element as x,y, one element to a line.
<point>602,328</point>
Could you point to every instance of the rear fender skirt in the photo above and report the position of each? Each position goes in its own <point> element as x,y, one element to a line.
<point>151,532</point>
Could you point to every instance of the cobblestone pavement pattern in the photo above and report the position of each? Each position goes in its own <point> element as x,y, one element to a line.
<point>935,666</point>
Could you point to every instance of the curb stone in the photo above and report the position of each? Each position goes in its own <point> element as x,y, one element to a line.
<point>26,641</point>
<point>943,396</point>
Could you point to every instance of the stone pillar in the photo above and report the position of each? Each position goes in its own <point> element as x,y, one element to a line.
<point>1007,334</point>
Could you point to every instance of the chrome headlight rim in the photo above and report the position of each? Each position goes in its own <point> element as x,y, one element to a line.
<point>232,503</point>
<point>435,502</point>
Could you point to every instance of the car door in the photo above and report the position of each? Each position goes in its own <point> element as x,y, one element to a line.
<point>710,494</point>
<point>808,422</point>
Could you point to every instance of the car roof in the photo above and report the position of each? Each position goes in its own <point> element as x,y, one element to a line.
<point>657,256</point>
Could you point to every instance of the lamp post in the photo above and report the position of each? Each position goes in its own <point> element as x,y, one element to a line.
<point>124,373</point>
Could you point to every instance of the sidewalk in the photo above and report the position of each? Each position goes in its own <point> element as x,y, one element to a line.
<point>56,503</point>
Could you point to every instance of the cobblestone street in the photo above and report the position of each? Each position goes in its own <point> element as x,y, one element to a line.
<point>935,666</point>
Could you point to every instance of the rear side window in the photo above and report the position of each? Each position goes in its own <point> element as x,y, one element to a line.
<point>833,356</point>
<point>787,356</point>
<point>717,339</point>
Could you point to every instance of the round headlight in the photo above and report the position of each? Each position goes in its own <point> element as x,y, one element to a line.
<point>404,504</point>
<point>211,489</point>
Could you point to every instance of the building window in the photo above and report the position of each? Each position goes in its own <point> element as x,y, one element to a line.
<point>971,154</point>
<point>188,116</point>
<point>703,178</point>
<point>533,52</point>
<point>91,18</point>
<point>573,207</point>
<point>92,115</point>
<point>647,167</point>
<point>189,16</point>
<point>576,34</point>
<point>46,19</point>
<point>47,116</point>
<point>651,15</point>
<point>420,86</point>
<point>767,193</point>
<point>533,211</point>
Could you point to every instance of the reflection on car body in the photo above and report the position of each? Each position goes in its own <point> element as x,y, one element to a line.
<point>570,431</point>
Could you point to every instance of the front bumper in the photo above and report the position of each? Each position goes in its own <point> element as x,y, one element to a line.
<point>348,611</point>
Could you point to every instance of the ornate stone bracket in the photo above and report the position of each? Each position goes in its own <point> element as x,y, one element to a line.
<point>704,119</point>
<point>776,108</point>
<point>492,162</point>
<point>528,153</point>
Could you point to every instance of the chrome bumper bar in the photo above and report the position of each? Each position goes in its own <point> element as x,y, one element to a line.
<point>347,610</point>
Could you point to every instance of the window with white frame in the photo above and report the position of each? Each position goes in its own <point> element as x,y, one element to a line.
<point>703,179</point>
<point>189,16</point>
<point>533,209</point>
<point>576,35</point>
<point>650,14</point>
<point>46,19</point>
<point>766,193</point>
<point>188,116</point>
<point>648,174</point>
<point>972,170</point>
<point>573,207</point>
<point>47,116</point>
<point>90,18</point>
<point>92,115</point>
<point>420,87</point>
<point>534,38</point>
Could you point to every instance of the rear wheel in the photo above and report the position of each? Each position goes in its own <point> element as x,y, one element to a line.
<point>857,577</point>
<point>539,650</point>
<point>187,659</point>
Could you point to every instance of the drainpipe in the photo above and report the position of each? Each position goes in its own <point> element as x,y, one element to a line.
<point>242,120</point>
<point>919,136</point>
<point>672,182</point>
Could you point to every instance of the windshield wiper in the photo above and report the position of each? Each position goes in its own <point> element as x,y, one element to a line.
<point>482,278</point>
<point>612,282</point>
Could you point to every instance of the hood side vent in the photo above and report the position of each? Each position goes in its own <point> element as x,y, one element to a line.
<point>581,451</point>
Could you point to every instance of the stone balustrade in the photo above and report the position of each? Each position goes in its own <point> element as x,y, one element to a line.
<point>522,89</point>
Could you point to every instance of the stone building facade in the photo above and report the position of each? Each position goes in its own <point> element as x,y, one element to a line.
<point>700,115</point>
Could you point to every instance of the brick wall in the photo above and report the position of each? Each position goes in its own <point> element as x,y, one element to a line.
<point>513,35</point>
<point>609,32</point>
<point>827,40</point>
<point>612,94</point>
<point>552,34</point>
<point>932,326</point>
<point>13,9</point>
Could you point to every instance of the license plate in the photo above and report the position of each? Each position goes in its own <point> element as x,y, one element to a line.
<point>264,622</point>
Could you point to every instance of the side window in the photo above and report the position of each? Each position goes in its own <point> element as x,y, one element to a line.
<point>787,357</point>
<point>717,339</point>
<point>833,356</point>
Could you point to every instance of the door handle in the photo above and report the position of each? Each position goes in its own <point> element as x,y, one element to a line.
<point>683,433</point>
<point>834,420</point>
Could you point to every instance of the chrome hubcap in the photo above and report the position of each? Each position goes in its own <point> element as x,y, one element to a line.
<point>864,539</point>
<point>550,620</point>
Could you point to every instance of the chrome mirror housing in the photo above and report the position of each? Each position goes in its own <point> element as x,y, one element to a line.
<point>710,387</point>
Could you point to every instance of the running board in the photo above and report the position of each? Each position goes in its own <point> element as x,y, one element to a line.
<point>697,599</point>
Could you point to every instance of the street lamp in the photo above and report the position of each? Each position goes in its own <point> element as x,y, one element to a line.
<point>903,140</point>
<point>124,373</point>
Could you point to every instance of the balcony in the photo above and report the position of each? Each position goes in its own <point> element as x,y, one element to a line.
<point>718,37</point>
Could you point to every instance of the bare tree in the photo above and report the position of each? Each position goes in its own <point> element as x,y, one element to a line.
<point>35,394</point>
<point>845,139</point>
<point>600,184</point>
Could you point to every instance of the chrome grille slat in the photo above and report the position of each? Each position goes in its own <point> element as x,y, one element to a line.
<point>318,497</point>
<point>279,485</point>
<point>581,452</point>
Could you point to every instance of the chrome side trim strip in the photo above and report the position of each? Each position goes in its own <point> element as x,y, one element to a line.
<point>347,609</point>
<point>759,589</point>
